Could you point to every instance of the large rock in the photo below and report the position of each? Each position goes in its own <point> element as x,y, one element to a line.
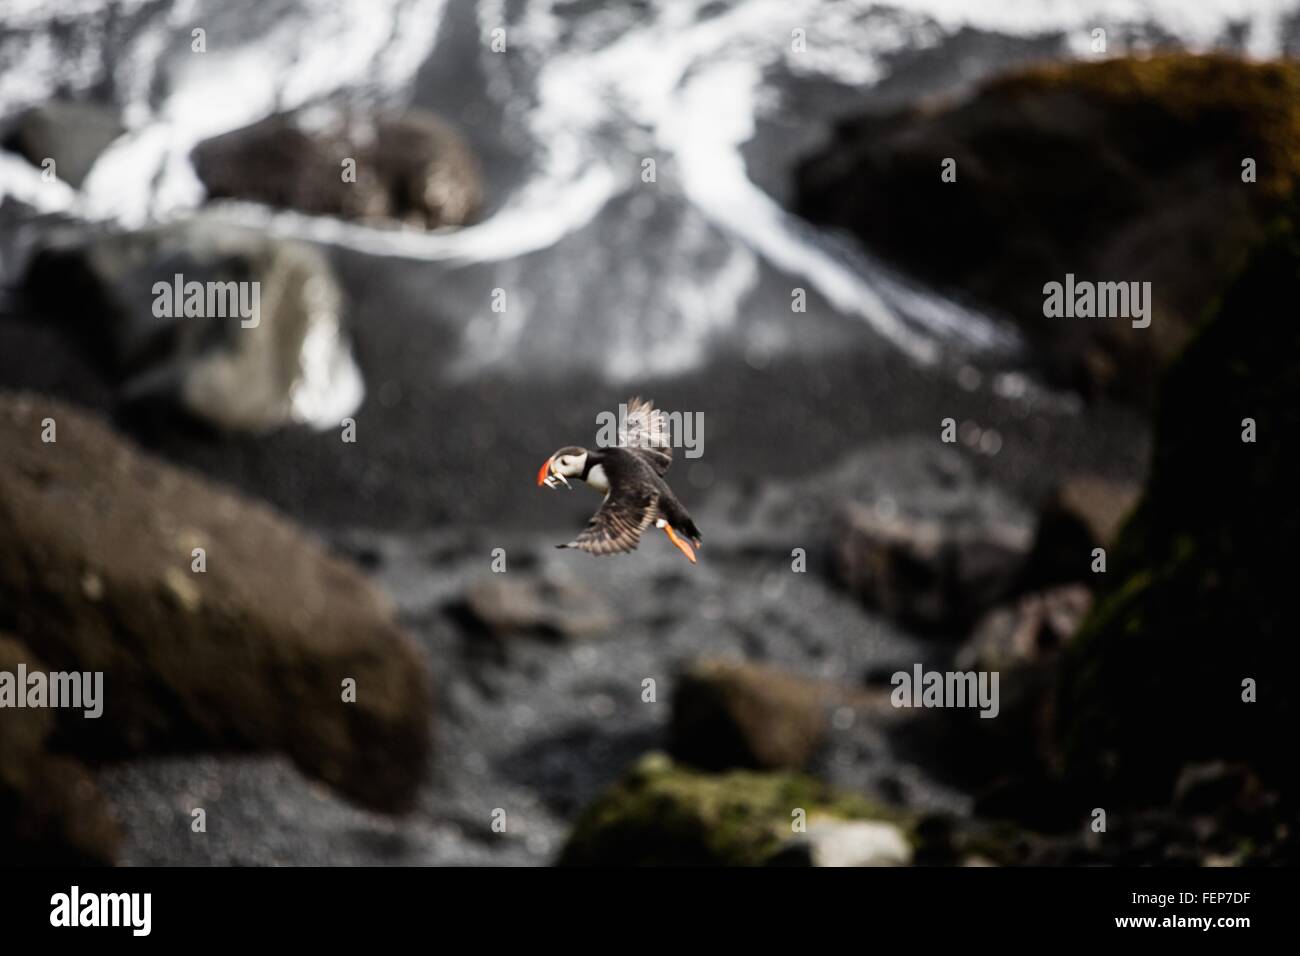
<point>1210,787</point>
<point>661,814</point>
<point>50,810</point>
<point>412,168</point>
<point>931,571</point>
<point>1006,759</point>
<point>1120,170</point>
<point>289,362</point>
<point>97,558</point>
<point>72,134</point>
<point>730,714</point>
<point>1026,632</point>
<point>524,604</point>
<point>1200,594</point>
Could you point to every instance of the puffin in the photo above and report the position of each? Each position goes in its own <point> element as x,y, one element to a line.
<point>631,477</point>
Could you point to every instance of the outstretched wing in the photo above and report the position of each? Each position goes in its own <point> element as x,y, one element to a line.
<point>645,430</point>
<point>618,523</point>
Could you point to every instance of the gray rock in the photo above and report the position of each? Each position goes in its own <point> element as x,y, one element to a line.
<point>1021,642</point>
<point>72,134</point>
<point>1027,632</point>
<point>290,362</point>
<point>411,168</point>
<point>931,571</point>
<point>527,604</point>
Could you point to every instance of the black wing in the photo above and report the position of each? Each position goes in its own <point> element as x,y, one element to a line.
<point>618,523</point>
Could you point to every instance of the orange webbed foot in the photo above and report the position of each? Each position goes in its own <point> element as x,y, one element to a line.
<point>682,546</point>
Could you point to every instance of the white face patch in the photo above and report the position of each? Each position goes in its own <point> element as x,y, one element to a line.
<point>596,478</point>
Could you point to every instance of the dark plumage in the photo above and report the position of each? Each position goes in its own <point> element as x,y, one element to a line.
<point>632,477</point>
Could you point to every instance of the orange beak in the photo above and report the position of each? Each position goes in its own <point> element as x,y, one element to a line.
<point>544,473</point>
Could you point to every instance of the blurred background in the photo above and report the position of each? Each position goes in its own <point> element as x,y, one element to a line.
<point>311,559</point>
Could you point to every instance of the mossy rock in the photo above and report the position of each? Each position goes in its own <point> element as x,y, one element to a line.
<point>1257,102</point>
<point>1201,589</point>
<point>1117,170</point>
<point>663,814</point>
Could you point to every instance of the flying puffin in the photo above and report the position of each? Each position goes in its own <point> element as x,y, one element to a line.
<point>631,476</point>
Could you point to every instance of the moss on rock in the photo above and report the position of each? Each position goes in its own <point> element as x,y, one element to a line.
<point>1201,591</point>
<point>663,814</point>
<point>1256,102</point>
<point>1120,170</point>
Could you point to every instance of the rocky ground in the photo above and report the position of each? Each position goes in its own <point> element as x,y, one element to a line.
<point>538,722</point>
<point>636,709</point>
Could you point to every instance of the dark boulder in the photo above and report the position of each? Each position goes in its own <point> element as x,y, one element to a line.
<point>1083,512</point>
<point>245,647</point>
<point>1118,170</point>
<point>411,168</point>
<point>1027,632</point>
<point>50,809</point>
<point>932,570</point>
<point>732,714</point>
<point>1006,761</point>
<point>1199,594</point>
